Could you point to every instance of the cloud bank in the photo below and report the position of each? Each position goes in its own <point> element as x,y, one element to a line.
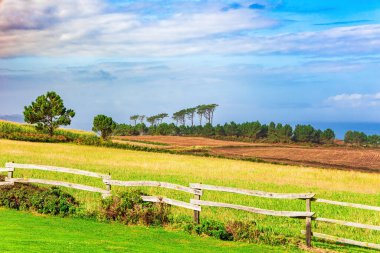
<point>355,100</point>
<point>93,28</point>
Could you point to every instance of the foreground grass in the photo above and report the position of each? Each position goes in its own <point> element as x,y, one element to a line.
<point>337,185</point>
<point>25,232</point>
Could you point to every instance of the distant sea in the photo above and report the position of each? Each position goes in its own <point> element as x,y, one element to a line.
<point>340,128</point>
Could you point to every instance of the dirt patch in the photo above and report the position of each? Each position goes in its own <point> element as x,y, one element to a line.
<point>341,157</point>
<point>180,141</point>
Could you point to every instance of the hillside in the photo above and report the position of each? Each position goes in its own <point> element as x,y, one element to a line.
<point>349,186</point>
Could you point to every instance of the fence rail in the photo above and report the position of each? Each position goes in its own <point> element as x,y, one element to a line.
<point>253,193</point>
<point>105,193</point>
<point>195,204</point>
<point>154,184</point>
<point>348,223</point>
<point>56,169</point>
<point>354,205</point>
<point>290,214</point>
<point>345,241</point>
<point>172,202</point>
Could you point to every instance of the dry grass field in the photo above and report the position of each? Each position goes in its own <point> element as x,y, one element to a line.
<point>363,159</point>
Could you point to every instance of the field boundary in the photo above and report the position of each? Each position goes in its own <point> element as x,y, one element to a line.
<point>195,204</point>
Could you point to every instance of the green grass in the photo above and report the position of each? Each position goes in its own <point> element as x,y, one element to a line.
<point>337,185</point>
<point>25,232</point>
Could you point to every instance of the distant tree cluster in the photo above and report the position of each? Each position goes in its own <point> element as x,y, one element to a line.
<point>253,131</point>
<point>360,138</point>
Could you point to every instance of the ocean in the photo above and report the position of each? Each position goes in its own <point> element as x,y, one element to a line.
<point>340,128</point>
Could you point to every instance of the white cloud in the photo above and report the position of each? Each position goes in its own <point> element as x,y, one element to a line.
<point>41,27</point>
<point>355,100</point>
<point>89,28</point>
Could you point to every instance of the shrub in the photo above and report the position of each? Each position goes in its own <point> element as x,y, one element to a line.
<point>92,140</point>
<point>54,201</point>
<point>42,200</point>
<point>211,228</point>
<point>33,137</point>
<point>129,208</point>
<point>248,231</point>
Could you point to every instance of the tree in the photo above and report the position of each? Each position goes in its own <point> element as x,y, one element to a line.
<point>201,110</point>
<point>151,120</point>
<point>355,137</point>
<point>48,113</point>
<point>180,117</point>
<point>208,130</point>
<point>209,112</point>
<point>141,118</point>
<point>231,129</point>
<point>328,136</point>
<point>161,116</point>
<point>156,119</point>
<point>306,133</point>
<point>134,118</point>
<point>219,130</point>
<point>190,112</point>
<point>103,125</point>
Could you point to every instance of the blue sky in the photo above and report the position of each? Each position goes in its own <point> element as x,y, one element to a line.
<point>287,61</point>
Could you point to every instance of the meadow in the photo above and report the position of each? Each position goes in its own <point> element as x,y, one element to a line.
<point>349,186</point>
<point>53,234</point>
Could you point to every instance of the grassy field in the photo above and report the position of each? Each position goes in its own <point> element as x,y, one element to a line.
<point>20,231</point>
<point>133,165</point>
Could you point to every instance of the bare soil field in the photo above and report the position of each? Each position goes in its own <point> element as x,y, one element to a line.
<point>179,141</point>
<point>349,158</point>
<point>340,157</point>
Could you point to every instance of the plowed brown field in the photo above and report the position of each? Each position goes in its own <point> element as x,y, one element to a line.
<point>363,159</point>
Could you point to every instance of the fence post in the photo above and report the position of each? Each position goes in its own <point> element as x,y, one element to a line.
<point>308,223</point>
<point>197,213</point>
<point>10,173</point>
<point>108,185</point>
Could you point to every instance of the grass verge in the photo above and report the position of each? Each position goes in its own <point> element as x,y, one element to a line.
<point>21,232</point>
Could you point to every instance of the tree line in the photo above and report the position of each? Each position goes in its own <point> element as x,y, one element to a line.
<point>252,131</point>
<point>360,138</point>
<point>205,111</point>
<point>48,113</point>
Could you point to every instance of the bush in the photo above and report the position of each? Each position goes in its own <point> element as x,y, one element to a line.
<point>211,228</point>
<point>92,140</point>
<point>42,200</point>
<point>129,208</point>
<point>33,137</point>
<point>248,231</point>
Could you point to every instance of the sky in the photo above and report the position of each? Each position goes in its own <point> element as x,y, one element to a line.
<point>270,60</point>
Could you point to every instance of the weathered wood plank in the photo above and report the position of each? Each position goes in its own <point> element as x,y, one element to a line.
<point>6,183</point>
<point>154,184</point>
<point>173,202</point>
<point>345,241</point>
<point>7,169</point>
<point>308,224</point>
<point>360,206</point>
<point>253,192</point>
<point>59,183</point>
<point>348,223</point>
<point>57,169</point>
<point>290,214</point>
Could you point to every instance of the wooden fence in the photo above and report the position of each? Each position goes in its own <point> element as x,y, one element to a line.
<point>195,204</point>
